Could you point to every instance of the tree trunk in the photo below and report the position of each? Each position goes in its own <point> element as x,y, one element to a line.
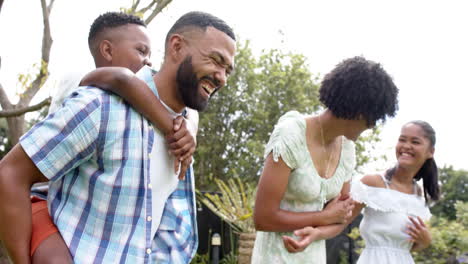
<point>15,129</point>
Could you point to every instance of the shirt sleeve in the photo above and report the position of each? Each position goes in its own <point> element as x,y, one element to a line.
<point>67,137</point>
<point>287,139</point>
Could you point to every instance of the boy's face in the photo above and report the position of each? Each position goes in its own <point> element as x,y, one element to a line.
<point>131,47</point>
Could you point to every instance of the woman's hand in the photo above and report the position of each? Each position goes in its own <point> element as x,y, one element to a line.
<point>419,233</point>
<point>340,209</point>
<point>306,236</point>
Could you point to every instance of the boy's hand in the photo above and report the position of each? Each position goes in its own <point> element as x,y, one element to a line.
<point>182,144</point>
<point>184,165</point>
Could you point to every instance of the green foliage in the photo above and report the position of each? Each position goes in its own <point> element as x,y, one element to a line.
<point>454,187</point>
<point>200,259</point>
<point>359,242</point>
<point>366,146</point>
<point>231,258</point>
<point>234,204</point>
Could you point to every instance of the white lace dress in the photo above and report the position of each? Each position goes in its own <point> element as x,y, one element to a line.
<point>384,223</point>
<point>306,190</point>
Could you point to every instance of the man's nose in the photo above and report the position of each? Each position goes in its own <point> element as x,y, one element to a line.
<point>221,77</point>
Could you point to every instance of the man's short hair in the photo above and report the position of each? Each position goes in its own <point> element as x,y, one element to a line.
<point>107,21</point>
<point>359,88</point>
<point>199,20</point>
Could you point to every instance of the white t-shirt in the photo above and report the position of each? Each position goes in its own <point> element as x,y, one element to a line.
<point>67,84</point>
<point>164,178</point>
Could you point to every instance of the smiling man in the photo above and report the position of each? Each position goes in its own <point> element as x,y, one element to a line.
<point>106,195</point>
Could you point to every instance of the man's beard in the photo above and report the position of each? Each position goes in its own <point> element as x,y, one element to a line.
<point>187,86</point>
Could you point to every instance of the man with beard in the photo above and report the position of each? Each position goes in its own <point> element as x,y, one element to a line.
<point>103,162</point>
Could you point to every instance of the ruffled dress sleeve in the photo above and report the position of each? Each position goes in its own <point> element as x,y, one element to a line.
<point>287,139</point>
<point>387,200</point>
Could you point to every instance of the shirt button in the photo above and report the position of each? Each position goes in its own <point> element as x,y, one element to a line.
<point>149,218</point>
<point>150,186</point>
<point>148,250</point>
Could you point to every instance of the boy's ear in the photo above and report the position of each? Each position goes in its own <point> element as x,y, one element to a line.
<point>105,48</point>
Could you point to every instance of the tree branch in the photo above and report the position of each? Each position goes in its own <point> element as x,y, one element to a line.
<point>23,110</point>
<point>44,66</point>
<point>148,7</point>
<point>159,7</point>
<point>134,6</point>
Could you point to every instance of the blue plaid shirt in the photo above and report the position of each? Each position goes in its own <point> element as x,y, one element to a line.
<point>95,150</point>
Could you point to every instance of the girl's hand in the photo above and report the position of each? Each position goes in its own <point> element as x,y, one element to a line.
<point>340,210</point>
<point>306,236</point>
<point>419,233</point>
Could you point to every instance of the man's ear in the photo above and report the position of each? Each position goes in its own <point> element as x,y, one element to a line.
<point>175,47</point>
<point>105,48</point>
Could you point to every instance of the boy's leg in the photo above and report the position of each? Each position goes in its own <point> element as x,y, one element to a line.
<point>47,246</point>
<point>52,250</point>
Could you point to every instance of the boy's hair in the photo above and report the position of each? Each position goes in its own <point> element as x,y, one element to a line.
<point>359,88</point>
<point>199,20</point>
<point>107,21</point>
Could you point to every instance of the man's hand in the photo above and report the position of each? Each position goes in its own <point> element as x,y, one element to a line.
<point>306,236</point>
<point>182,144</point>
<point>340,209</point>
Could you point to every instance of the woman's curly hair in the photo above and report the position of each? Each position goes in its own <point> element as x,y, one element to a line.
<point>358,88</point>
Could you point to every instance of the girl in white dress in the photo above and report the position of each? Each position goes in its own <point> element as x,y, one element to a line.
<point>395,210</point>
<point>310,160</point>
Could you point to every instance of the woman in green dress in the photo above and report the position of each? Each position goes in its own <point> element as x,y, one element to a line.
<point>309,161</point>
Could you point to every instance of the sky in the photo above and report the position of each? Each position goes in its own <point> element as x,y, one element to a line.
<point>423,45</point>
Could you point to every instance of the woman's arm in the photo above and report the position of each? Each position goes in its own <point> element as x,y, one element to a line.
<point>126,84</point>
<point>309,234</point>
<point>268,216</point>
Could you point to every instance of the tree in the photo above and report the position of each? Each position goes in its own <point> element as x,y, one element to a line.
<point>454,187</point>
<point>31,84</point>
<point>14,113</point>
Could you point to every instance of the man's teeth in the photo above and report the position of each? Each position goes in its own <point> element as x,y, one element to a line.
<point>208,89</point>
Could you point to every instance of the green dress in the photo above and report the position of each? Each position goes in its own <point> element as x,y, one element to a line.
<point>306,190</point>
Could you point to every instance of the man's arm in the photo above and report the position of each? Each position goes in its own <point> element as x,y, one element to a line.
<point>17,174</point>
